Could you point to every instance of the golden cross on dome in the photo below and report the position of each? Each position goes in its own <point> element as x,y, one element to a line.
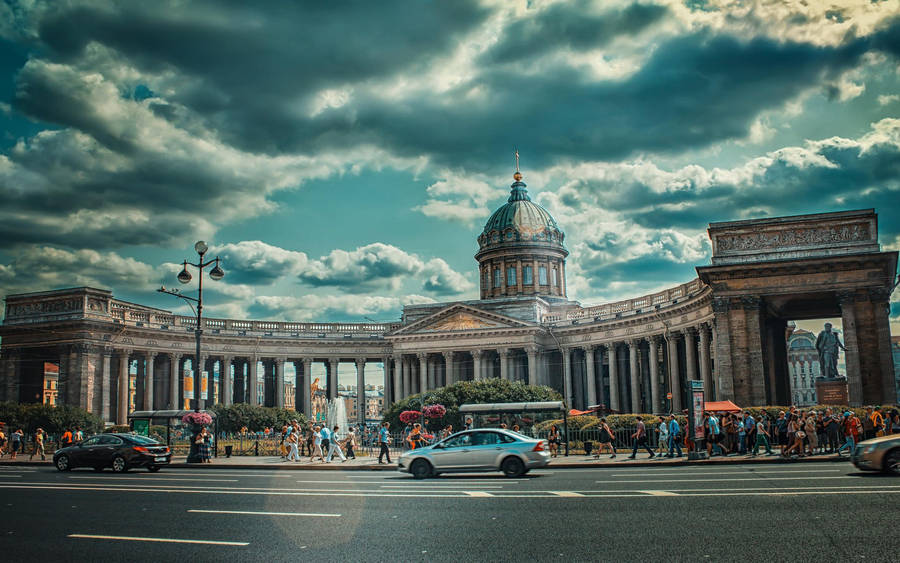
<point>517,159</point>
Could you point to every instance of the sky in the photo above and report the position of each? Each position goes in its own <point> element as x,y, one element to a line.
<point>342,158</point>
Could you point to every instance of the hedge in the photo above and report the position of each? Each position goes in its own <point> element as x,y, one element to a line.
<point>464,392</point>
<point>232,418</point>
<point>53,419</point>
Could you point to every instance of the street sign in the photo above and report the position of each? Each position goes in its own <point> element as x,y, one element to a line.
<point>668,395</point>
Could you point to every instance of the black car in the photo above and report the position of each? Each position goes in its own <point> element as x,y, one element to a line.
<point>119,451</point>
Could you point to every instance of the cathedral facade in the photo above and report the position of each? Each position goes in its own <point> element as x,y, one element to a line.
<point>726,327</point>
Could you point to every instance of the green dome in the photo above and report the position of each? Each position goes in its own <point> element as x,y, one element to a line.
<point>520,219</point>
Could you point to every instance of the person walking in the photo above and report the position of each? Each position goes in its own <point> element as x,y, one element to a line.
<point>350,443</point>
<point>674,443</point>
<point>847,427</point>
<point>15,442</point>
<point>553,441</point>
<point>284,444</point>
<point>293,439</point>
<point>662,443</point>
<point>384,439</point>
<point>38,447</point>
<point>606,440</point>
<point>713,441</point>
<point>762,438</point>
<point>640,439</point>
<point>334,446</point>
<point>202,441</point>
<point>67,438</point>
<point>812,434</point>
<point>317,444</point>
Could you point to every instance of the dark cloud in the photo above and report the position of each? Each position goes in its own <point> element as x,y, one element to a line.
<point>569,25</point>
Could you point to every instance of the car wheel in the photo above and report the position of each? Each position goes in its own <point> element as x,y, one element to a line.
<point>891,462</point>
<point>512,467</point>
<point>62,463</point>
<point>119,465</point>
<point>153,468</point>
<point>420,469</point>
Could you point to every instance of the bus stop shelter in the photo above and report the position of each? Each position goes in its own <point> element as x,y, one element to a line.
<point>142,421</point>
<point>525,415</point>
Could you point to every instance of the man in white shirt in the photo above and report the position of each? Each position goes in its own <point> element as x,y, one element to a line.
<point>334,446</point>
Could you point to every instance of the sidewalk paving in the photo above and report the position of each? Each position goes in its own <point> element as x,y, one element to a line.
<point>370,463</point>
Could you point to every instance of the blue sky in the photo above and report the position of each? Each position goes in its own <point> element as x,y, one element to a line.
<point>343,159</point>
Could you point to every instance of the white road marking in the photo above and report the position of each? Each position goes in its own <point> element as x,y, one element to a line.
<point>478,494</point>
<point>265,513</point>
<point>163,540</point>
<point>566,493</point>
<point>748,471</point>
<point>660,493</point>
<point>117,478</point>
<point>730,479</point>
<point>285,474</point>
<point>442,487</point>
<point>9,475</point>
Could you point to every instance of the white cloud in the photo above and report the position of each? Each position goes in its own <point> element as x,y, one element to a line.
<point>459,198</point>
<point>885,99</point>
<point>317,307</point>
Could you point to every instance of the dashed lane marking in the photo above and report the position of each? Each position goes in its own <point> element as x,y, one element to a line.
<point>731,479</point>
<point>660,493</point>
<point>478,494</point>
<point>162,540</point>
<point>252,513</point>
<point>747,472</point>
<point>117,478</point>
<point>566,493</point>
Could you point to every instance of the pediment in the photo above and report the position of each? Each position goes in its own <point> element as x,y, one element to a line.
<point>461,318</point>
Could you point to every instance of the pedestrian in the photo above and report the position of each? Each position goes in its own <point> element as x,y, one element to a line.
<point>67,438</point>
<point>730,432</point>
<point>878,422</point>
<point>317,444</point>
<point>203,440</point>
<point>762,438</point>
<point>15,441</point>
<point>832,424</point>
<point>415,437</point>
<point>812,434</point>
<point>847,427</point>
<point>326,439</point>
<point>2,441</point>
<point>674,430</point>
<point>350,443</point>
<point>662,443</point>
<point>781,430</point>
<point>895,421</point>
<point>283,445</point>
<point>714,437</point>
<point>468,425</point>
<point>749,430</point>
<point>334,446</point>
<point>606,440</point>
<point>553,441</point>
<point>741,435</point>
<point>384,439</point>
<point>640,439</point>
<point>293,439</point>
<point>308,439</point>
<point>38,447</point>
<point>795,436</point>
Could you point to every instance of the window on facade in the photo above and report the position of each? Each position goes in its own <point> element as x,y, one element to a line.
<point>511,276</point>
<point>527,278</point>
<point>542,275</point>
<point>555,277</point>
<point>497,279</point>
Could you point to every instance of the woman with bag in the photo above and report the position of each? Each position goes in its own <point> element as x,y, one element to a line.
<point>606,439</point>
<point>202,442</point>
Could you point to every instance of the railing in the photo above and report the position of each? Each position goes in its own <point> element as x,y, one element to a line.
<point>130,314</point>
<point>630,306</point>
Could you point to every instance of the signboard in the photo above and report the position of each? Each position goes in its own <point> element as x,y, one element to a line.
<point>669,396</point>
<point>832,392</point>
<point>141,427</point>
<point>188,384</point>
<point>696,413</point>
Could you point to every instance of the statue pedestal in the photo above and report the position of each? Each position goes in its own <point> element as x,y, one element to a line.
<point>832,391</point>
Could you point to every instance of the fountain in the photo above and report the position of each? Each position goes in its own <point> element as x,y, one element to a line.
<point>337,415</point>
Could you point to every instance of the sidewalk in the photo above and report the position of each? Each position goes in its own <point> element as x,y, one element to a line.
<point>368,463</point>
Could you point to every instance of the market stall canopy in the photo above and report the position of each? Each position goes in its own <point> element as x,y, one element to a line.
<point>576,412</point>
<point>720,406</point>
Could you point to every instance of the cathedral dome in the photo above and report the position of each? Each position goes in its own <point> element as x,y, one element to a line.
<point>521,220</point>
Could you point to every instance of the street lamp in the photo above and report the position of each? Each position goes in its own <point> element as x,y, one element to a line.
<point>216,274</point>
<point>565,385</point>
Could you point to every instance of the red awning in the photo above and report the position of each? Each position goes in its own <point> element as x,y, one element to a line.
<point>720,406</point>
<point>575,412</point>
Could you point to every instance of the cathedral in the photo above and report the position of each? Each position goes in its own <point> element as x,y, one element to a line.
<point>726,327</point>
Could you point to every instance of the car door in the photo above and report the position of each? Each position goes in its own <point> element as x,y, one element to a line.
<point>453,453</point>
<point>106,449</point>
<point>83,454</point>
<point>486,449</point>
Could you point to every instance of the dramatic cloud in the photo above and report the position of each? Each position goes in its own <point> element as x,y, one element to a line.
<point>334,307</point>
<point>255,262</point>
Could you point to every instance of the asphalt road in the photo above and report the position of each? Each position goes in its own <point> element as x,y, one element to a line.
<point>809,511</point>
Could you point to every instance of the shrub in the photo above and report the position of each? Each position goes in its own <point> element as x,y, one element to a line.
<point>53,419</point>
<point>233,417</point>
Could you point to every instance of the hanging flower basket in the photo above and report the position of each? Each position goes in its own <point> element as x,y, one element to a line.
<point>197,419</point>
<point>409,417</point>
<point>435,412</point>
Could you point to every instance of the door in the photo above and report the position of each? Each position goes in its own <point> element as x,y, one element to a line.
<point>453,453</point>
<point>486,450</point>
<point>84,453</point>
<point>106,449</point>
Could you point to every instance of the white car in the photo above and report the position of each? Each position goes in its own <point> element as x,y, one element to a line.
<point>482,449</point>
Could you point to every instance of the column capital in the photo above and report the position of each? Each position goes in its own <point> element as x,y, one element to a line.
<point>633,342</point>
<point>721,304</point>
<point>589,348</point>
<point>448,355</point>
<point>689,331</point>
<point>360,361</point>
<point>879,294</point>
<point>532,350</point>
<point>279,360</point>
<point>653,339</point>
<point>476,354</point>
<point>421,355</point>
<point>503,352</point>
<point>751,302</point>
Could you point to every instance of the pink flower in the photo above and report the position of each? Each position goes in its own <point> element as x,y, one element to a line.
<point>435,411</point>
<point>410,416</point>
<point>200,418</point>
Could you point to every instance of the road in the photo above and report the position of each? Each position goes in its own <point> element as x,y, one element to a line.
<point>808,511</point>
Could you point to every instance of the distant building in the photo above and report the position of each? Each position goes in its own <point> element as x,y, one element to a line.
<point>803,367</point>
<point>51,383</point>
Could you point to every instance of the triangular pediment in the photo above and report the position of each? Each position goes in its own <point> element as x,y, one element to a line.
<point>459,317</point>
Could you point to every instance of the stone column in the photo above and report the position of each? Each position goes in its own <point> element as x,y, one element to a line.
<point>756,366</point>
<point>881,309</point>
<point>653,360</point>
<point>705,374</point>
<point>431,377</point>
<point>226,387</point>
<point>306,394</point>
<point>477,374</point>
<point>388,388</point>
<point>613,377</point>
<point>106,385</point>
<point>397,378</point>
<point>532,352</point>
<point>423,371</point>
<point>690,352</point>
<point>123,389</point>
<point>567,375</point>
<point>519,277</point>
<point>674,373</point>
<point>722,347</point>
<point>361,390</point>
<point>279,382</point>
<point>253,381</point>
<point>635,376</point>
<point>174,375</point>
<point>851,344</point>
<point>148,381</point>
<point>504,363</point>
<point>534,276</point>
<point>333,378</point>
<point>591,379</point>
<point>448,367</point>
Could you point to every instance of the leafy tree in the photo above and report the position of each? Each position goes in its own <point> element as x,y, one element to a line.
<point>53,419</point>
<point>465,392</point>
<point>232,418</point>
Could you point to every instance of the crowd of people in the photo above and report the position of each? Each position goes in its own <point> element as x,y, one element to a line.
<point>15,443</point>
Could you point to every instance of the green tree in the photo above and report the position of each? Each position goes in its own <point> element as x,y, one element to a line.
<point>232,418</point>
<point>53,419</point>
<point>465,392</point>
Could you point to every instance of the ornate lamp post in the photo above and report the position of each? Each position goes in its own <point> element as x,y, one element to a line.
<point>184,276</point>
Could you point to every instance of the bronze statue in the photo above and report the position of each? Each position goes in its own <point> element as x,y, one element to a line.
<point>827,345</point>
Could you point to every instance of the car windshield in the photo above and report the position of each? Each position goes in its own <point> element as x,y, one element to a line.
<point>142,440</point>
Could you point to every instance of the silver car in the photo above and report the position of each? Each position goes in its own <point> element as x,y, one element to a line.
<point>483,449</point>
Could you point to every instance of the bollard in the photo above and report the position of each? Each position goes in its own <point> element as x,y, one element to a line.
<point>256,448</point>
<point>228,449</point>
